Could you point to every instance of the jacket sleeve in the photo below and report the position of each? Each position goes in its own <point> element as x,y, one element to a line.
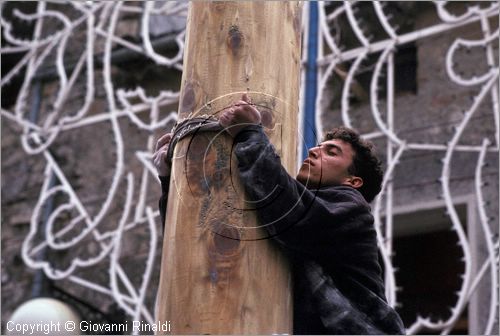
<point>307,221</point>
<point>162,204</point>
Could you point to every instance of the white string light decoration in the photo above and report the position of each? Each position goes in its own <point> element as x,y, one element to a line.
<point>53,34</point>
<point>100,22</point>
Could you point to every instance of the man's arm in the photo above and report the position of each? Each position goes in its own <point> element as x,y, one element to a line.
<point>162,204</point>
<point>163,169</point>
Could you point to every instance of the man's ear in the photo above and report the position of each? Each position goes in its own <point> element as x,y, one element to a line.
<point>354,181</point>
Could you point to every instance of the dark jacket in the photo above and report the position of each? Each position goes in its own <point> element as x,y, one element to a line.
<point>331,241</point>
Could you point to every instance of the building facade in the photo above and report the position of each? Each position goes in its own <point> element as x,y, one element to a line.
<point>88,87</point>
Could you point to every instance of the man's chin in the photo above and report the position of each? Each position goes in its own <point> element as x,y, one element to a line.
<point>307,181</point>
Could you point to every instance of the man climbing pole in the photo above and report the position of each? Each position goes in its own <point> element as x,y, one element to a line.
<point>321,220</point>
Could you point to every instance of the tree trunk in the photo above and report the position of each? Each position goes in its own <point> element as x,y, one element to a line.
<point>220,274</point>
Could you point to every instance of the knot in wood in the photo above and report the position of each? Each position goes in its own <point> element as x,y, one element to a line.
<point>234,39</point>
<point>226,240</point>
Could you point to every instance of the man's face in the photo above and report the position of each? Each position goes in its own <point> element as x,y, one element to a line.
<point>327,165</point>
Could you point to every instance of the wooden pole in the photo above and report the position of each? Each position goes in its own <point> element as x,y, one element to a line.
<point>219,274</point>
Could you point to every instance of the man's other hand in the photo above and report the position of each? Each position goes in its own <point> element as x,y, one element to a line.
<point>160,155</point>
<point>239,115</point>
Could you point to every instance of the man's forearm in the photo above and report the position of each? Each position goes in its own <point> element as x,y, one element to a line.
<point>280,200</point>
<point>162,204</point>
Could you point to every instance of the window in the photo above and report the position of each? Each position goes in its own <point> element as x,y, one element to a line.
<point>429,263</point>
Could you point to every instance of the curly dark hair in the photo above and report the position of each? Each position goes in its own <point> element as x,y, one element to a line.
<point>365,163</point>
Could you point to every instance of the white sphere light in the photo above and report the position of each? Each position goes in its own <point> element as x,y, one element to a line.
<point>41,315</point>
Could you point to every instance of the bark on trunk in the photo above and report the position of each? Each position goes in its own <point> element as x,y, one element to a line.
<point>219,274</point>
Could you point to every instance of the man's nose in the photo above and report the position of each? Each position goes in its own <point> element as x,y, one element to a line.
<point>313,151</point>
